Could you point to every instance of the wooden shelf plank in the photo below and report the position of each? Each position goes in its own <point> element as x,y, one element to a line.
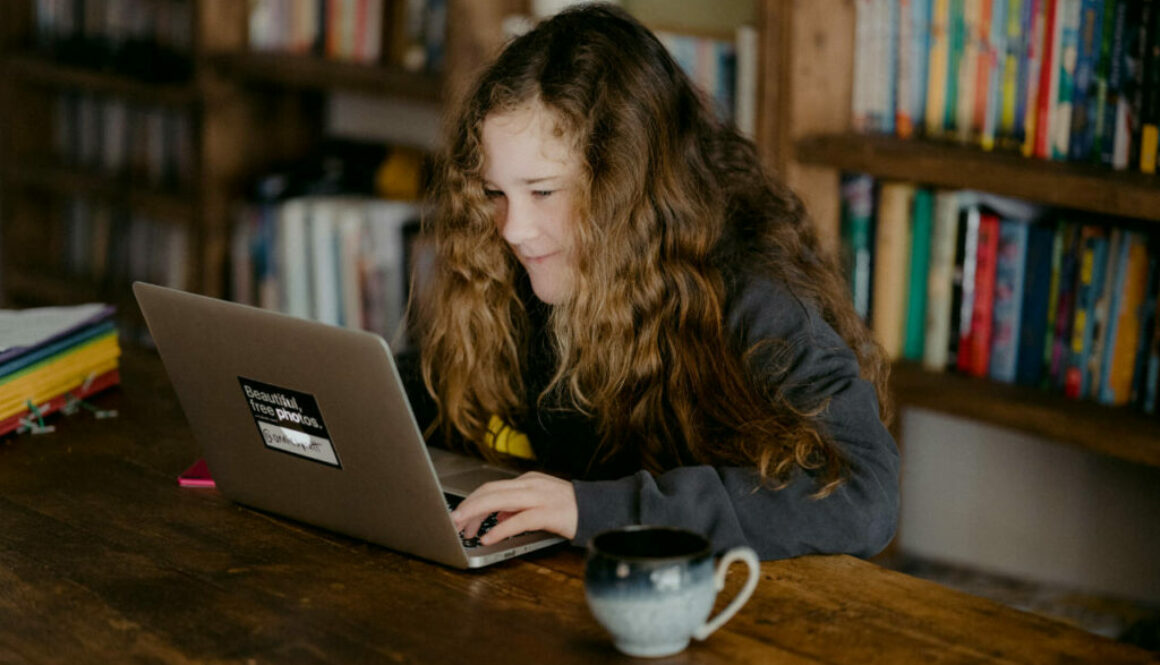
<point>1118,432</point>
<point>1079,186</point>
<point>44,71</point>
<point>163,203</point>
<point>311,72</point>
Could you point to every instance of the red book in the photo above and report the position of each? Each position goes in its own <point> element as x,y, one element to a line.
<point>1046,98</point>
<point>106,380</point>
<point>975,349</point>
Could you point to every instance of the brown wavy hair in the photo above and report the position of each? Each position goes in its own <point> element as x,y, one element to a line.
<point>671,199</point>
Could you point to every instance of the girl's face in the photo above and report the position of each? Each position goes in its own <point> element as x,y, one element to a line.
<point>532,177</point>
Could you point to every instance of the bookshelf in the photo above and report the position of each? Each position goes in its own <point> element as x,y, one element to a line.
<point>811,142</point>
<point>248,111</point>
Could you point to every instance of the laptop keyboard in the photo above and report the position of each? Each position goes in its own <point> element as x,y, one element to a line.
<point>488,522</point>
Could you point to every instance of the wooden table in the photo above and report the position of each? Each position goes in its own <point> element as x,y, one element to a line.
<point>104,559</point>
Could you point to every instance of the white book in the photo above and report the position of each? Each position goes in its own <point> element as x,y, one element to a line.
<point>322,225</point>
<point>386,264</point>
<point>293,259</point>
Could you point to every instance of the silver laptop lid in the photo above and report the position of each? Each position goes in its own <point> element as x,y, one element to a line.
<point>303,419</point>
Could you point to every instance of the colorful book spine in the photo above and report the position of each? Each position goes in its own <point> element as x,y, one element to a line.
<point>1006,313</point>
<point>1048,88</point>
<point>937,73</point>
<point>1027,101</point>
<point>975,349</point>
<point>1065,313</point>
<point>1124,319</point>
<point>1013,73</point>
<point>914,344</point>
<point>995,54</point>
<point>940,280</point>
<point>965,128</point>
<point>1068,38</point>
<point>963,286</point>
<point>1100,313</point>
<point>1093,257</point>
<point>857,239</point>
<point>1035,321</point>
<point>955,51</point>
<point>1084,92</point>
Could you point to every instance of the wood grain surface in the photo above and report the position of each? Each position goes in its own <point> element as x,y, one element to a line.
<point>104,559</point>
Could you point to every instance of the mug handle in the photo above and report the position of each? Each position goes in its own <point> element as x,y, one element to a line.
<point>747,555</point>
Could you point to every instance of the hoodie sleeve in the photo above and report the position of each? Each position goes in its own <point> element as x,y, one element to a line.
<point>729,504</point>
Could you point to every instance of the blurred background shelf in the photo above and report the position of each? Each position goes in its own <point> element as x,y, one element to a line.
<point>1063,184</point>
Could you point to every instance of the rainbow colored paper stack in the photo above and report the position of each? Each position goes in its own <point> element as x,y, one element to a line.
<point>51,358</point>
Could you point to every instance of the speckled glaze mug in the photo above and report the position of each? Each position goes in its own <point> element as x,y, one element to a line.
<point>652,587</point>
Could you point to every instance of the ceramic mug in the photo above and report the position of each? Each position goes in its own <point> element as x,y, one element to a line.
<point>653,587</point>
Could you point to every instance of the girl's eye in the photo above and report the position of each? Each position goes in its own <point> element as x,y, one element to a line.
<point>492,193</point>
<point>542,193</point>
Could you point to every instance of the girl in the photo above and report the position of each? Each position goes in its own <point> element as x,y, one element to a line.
<point>621,282</point>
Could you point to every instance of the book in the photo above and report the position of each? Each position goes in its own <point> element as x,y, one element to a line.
<point>1100,311</point>
<point>1067,39</point>
<point>25,331</point>
<point>989,107</point>
<point>1013,74</point>
<point>963,281</point>
<point>913,347</point>
<point>1084,93</point>
<point>1124,319</point>
<point>1007,310</point>
<point>1035,318</point>
<point>913,61</point>
<point>857,239</point>
<point>891,265</point>
<point>1148,318</point>
<point>1089,284</point>
<point>938,69</point>
<point>1048,88</point>
<point>1031,76</point>
<point>974,355</point>
<point>1150,93</point>
<point>1107,81</point>
<point>941,281</point>
<point>1070,248</point>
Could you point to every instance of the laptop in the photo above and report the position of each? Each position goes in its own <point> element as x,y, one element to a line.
<point>311,421</point>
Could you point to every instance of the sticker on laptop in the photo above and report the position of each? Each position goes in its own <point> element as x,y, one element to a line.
<point>289,421</point>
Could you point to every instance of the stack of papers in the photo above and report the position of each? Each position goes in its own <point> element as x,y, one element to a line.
<point>52,357</point>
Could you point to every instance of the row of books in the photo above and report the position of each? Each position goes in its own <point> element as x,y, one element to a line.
<point>410,33</point>
<point>111,245</point>
<point>1075,80</point>
<point>51,359</point>
<point>997,288</point>
<point>145,39</point>
<point>724,69</point>
<point>111,135</point>
<point>342,260</point>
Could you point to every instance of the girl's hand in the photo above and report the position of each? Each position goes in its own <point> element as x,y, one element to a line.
<point>531,502</point>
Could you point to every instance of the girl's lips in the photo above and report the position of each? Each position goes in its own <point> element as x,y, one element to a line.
<point>539,259</point>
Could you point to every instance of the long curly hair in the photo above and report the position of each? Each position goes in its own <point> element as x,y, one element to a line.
<point>670,200</point>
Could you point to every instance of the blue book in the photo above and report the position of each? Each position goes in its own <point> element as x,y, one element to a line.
<point>1005,312</point>
<point>1089,37</point>
<point>1034,321</point>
